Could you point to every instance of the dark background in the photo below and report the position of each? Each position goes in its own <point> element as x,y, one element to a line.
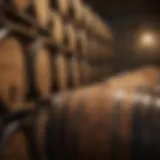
<point>125,18</point>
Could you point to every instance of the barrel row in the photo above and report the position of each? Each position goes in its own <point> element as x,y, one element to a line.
<point>62,33</point>
<point>45,57</point>
<point>78,12</point>
<point>30,70</point>
<point>48,18</point>
<point>97,122</point>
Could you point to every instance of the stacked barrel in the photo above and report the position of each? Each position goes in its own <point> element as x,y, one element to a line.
<point>49,46</point>
<point>56,45</point>
<point>100,45</point>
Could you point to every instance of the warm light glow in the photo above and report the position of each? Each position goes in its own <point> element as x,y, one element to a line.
<point>148,40</point>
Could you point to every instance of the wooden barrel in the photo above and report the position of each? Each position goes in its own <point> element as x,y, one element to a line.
<point>101,140</point>
<point>19,5</point>
<point>88,21</point>
<point>57,29</point>
<point>62,72</point>
<point>96,51</point>
<point>83,72</point>
<point>71,102</point>
<point>100,73</point>
<point>102,29</point>
<point>35,13</point>
<point>42,12</point>
<point>73,138</point>
<point>75,72</point>
<point>93,49</point>
<point>12,74</point>
<point>11,149</point>
<point>95,26</point>
<point>87,72</point>
<point>70,39</point>
<point>99,27</point>
<point>39,66</point>
<point>76,12</point>
<point>70,53</point>
<point>96,123</point>
<point>82,43</point>
<point>82,48</point>
<point>61,6</point>
<point>92,111</point>
<point>108,33</point>
<point>148,76</point>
